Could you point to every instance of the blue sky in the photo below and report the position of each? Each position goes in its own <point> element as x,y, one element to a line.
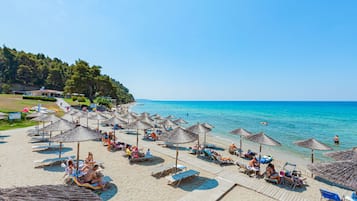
<point>199,50</point>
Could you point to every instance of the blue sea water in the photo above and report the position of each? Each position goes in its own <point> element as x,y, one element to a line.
<point>289,121</point>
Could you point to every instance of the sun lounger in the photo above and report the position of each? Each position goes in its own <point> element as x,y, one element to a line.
<point>50,161</point>
<point>223,161</point>
<point>327,195</point>
<point>177,178</point>
<point>165,170</point>
<point>353,197</point>
<point>44,147</point>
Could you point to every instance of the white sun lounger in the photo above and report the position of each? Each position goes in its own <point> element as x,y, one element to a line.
<point>164,170</point>
<point>44,147</point>
<point>50,161</point>
<point>177,178</point>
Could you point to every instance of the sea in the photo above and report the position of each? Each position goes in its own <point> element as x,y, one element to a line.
<point>288,121</point>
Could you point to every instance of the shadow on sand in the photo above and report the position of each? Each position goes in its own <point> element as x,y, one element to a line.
<point>4,136</point>
<point>154,161</point>
<point>198,183</point>
<point>3,142</point>
<point>108,193</point>
<point>54,168</point>
<point>55,151</point>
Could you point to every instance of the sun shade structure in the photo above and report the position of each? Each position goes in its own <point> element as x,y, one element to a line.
<point>199,129</point>
<point>61,125</point>
<point>343,155</point>
<point>262,138</point>
<point>139,125</point>
<point>180,121</point>
<point>78,134</point>
<point>207,125</point>
<point>313,145</point>
<point>242,133</point>
<point>46,118</point>
<point>340,172</point>
<point>98,117</point>
<point>48,192</point>
<point>167,123</point>
<point>179,136</point>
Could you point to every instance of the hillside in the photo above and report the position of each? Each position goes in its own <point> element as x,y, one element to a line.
<point>20,70</point>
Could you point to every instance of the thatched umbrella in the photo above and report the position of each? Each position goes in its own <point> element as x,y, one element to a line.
<point>98,117</point>
<point>61,125</point>
<point>313,145</point>
<point>343,155</point>
<point>180,121</point>
<point>207,125</point>
<point>199,129</point>
<point>242,133</point>
<point>48,192</point>
<point>178,136</point>
<point>115,120</point>
<point>167,123</point>
<point>170,117</point>
<point>82,114</point>
<point>46,118</point>
<point>340,172</point>
<point>262,138</point>
<point>139,125</point>
<point>78,134</point>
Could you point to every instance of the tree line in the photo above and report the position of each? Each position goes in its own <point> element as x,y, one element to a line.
<point>37,70</point>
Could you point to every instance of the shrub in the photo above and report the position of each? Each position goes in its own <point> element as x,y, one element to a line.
<point>43,98</point>
<point>74,98</point>
<point>81,99</point>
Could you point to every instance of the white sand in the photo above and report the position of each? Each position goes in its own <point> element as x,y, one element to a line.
<point>130,181</point>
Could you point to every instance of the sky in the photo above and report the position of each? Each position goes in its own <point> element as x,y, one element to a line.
<point>201,49</point>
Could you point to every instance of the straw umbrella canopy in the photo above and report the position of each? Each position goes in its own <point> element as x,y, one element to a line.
<point>139,125</point>
<point>342,155</point>
<point>179,136</point>
<point>262,138</point>
<point>207,125</point>
<point>313,145</point>
<point>242,133</point>
<point>146,119</point>
<point>78,134</point>
<point>82,114</point>
<point>180,121</point>
<point>340,172</point>
<point>167,123</point>
<point>145,114</point>
<point>169,117</point>
<point>98,117</point>
<point>61,125</point>
<point>199,129</point>
<point>115,120</point>
<point>48,192</point>
<point>46,118</point>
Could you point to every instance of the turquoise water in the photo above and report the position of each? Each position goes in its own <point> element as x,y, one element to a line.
<point>288,121</point>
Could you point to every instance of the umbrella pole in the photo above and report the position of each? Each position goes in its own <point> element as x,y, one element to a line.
<point>98,126</point>
<point>60,150</point>
<point>260,154</point>
<point>240,146</point>
<point>176,159</point>
<point>77,159</point>
<point>312,160</point>
<point>49,141</point>
<point>204,140</point>
<point>137,138</point>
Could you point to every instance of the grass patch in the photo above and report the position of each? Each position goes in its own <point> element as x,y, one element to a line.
<point>15,103</point>
<point>76,103</point>
<point>6,125</point>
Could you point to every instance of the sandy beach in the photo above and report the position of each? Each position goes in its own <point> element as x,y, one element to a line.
<point>134,181</point>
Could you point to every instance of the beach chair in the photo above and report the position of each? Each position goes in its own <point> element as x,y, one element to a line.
<point>327,195</point>
<point>140,159</point>
<point>353,197</point>
<point>50,161</point>
<point>165,170</point>
<point>45,147</point>
<point>222,161</point>
<point>177,178</point>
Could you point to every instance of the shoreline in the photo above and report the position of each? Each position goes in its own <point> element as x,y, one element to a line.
<point>129,180</point>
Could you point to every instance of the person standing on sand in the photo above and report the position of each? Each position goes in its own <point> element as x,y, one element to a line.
<point>336,140</point>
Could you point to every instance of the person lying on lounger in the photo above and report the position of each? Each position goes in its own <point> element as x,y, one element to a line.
<point>271,173</point>
<point>93,176</point>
